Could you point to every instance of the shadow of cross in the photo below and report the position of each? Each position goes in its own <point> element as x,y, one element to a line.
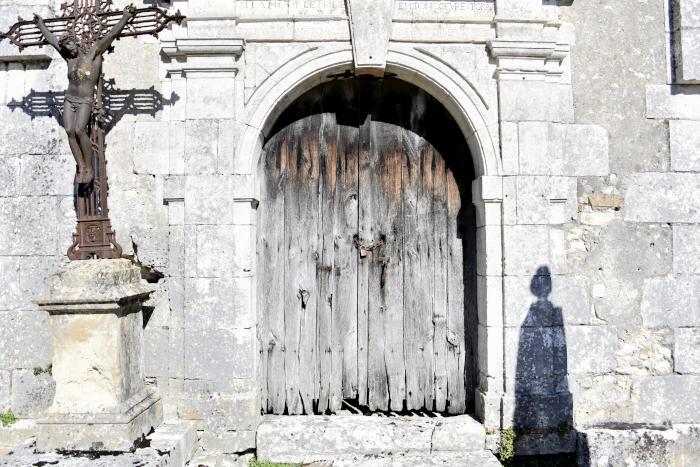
<point>117,103</point>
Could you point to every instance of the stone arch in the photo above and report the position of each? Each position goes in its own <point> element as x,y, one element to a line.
<point>307,70</point>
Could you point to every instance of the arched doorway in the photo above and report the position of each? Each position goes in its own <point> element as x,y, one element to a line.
<point>366,254</point>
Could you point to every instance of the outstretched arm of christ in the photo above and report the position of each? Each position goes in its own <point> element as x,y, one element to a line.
<point>48,35</point>
<point>106,42</point>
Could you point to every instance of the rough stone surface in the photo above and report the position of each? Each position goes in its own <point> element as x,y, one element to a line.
<point>663,197</point>
<point>687,350</point>
<point>309,439</point>
<point>668,447</point>
<point>685,139</point>
<point>667,300</point>
<point>686,249</point>
<point>656,399</point>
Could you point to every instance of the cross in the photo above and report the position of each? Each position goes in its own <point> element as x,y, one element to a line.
<point>82,35</point>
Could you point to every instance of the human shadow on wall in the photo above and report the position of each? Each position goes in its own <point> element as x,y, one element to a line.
<point>543,413</point>
<point>118,102</point>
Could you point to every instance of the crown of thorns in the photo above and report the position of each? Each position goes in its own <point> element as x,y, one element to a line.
<point>69,36</point>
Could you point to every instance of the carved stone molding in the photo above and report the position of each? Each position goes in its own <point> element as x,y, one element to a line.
<point>527,59</point>
<point>191,55</point>
<point>370,30</point>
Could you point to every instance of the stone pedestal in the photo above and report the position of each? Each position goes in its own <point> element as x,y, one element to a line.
<point>102,402</point>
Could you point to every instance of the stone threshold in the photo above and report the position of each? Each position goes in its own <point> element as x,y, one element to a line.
<point>350,439</point>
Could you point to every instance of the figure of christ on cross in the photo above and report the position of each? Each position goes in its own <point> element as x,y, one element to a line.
<point>84,71</point>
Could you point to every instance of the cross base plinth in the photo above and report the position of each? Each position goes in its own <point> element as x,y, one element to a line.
<point>107,432</point>
<point>102,402</point>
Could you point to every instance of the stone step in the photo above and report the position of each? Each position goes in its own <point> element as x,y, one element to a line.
<point>300,439</point>
<point>445,459</point>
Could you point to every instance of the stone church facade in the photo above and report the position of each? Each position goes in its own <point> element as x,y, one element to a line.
<point>581,125</point>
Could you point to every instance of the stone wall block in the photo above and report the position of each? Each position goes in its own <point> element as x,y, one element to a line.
<point>556,149</point>
<point>645,352</point>
<point>5,390</point>
<point>509,148</point>
<point>568,302</point>
<point>229,135</point>
<point>534,359</point>
<point>222,413</point>
<point>176,145</point>
<point>663,399</point>
<point>156,351</point>
<point>490,350</point>
<point>244,346</point>
<point>228,442</point>
<point>31,394</point>
<point>601,399</point>
<point>22,219</point>
<point>671,301</point>
<point>201,146</point>
<point>151,245</point>
<point>490,300</point>
<point>591,349</point>
<point>663,197</point>
<point>223,303</point>
<point>210,97</point>
<point>685,145</point>
<point>151,155</point>
<point>208,356</point>
<point>224,250</point>
<point>687,54</point>
<point>490,261</point>
<point>45,175</point>
<point>529,247</point>
<point>209,199</point>
<point>686,249</point>
<point>672,102</point>
<point>546,200</point>
<point>176,251</point>
<point>535,101</point>
<point>687,350</point>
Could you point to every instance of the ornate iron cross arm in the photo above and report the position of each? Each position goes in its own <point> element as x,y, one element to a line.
<point>90,24</point>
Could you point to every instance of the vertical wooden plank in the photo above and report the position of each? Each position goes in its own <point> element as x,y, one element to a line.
<point>309,231</point>
<point>301,213</point>
<point>440,226</point>
<point>344,382</point>
<point>272,256</point>
<point>364,236</point>
<point>456,392</point>
<point>418,262</point>
<point>386,355</point>
<point>327,335</point>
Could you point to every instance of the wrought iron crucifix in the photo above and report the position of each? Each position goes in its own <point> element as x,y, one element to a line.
<point>82,35</point>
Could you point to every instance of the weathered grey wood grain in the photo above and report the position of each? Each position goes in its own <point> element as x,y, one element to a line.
<point>346,258</point>
<point>271,265</point>
<point>370,227</point>
<point>386,355</point>
<point>440,231</point>
<point>364,237</point>
<point>327,335</point>
<point>456,392</point>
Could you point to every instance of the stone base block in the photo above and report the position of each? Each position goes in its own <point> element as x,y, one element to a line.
<point>305,439</point>
<point>101,432</point>
<point>673,446</point>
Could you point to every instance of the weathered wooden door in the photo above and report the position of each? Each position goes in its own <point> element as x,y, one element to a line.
<point>366,254</point>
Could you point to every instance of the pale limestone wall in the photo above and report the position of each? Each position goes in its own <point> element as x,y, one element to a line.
<point>554,113</point>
